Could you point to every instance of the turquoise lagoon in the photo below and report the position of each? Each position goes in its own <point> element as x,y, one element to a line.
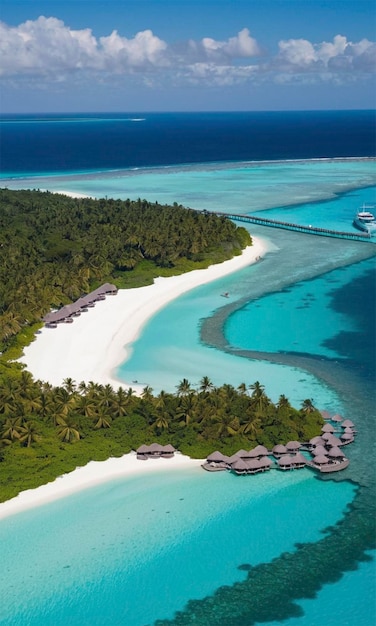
<point>135,551</point>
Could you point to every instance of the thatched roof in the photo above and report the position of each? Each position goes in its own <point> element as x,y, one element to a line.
<point>299,459</point>
<point>264,461</point>
<point>155,447</point>
<point>253,464</point>
<point>347,423</point>
<point>260,450</point>
<point>243,454</point>
<point>293,445</point>
<point>215,456</point>
<point>317,441</point>
<point>279,449</point>
<point>337,418</point>
<point>335,452</point>
<point>319,450</point>
<point>285,461</point>
<point>240,465</point>
<point>321,459</point>
<point>327,428</point>
<point>233,459</point>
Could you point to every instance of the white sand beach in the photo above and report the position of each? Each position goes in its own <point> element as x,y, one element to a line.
<point>98,341</point>
<point>90,348</point>
<point>92,474</point>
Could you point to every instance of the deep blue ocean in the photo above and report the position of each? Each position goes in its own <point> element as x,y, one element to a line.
<point>92,142</point>
<point>291,549</point>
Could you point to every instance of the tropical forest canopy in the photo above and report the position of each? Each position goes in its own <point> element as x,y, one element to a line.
<point>53,249</point>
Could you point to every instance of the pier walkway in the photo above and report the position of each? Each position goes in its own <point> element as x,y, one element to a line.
<point>310,230</point>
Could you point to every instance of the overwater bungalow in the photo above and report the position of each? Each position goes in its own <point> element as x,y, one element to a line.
<point>336,453</point>
<point>293,446</point>
<point>265,463</point>
<point>325,415</point>
<point>286,462</point>
<point>347,423</point>
<point>253,466</point>
<point>258,451</point>
<point>319,450</point>
<point>337,418</point>
<point>347,438</point>
<point>316,441</point>
<point>232,459</point>
<point>299,461</point>
<point>349,430</point>
<point>327,428</point>
<point>320,459</point>
<point>279,450</point>
<point>240,467</point>
<point>243,454</point>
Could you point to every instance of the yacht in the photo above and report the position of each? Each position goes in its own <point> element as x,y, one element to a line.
<point>365,220</point>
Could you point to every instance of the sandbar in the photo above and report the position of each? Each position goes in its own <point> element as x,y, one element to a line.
<point>100,340</point>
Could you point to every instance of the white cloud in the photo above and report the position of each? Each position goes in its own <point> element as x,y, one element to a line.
<point>296,55</point>
<point>47,50</point>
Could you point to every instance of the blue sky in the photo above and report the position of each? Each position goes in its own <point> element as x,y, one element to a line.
<point>164,55</point>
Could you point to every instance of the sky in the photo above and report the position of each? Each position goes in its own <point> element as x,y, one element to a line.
<point>180,55</point>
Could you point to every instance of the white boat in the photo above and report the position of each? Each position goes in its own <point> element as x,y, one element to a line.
<point>365,220</point>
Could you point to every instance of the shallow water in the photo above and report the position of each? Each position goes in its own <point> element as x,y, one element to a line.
<point>132,551</point>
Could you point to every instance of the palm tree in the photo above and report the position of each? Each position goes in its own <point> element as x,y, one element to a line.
<point>28,434</point>
<point>307,406</point>
<point>46,404</point>
<point>206,384</point>
<point>184,387</point>
<point>252,425</point>
<point>242,388</point>
<point>227,424</point>
<point>69,385</point>
<point>86,406</point>
<point>12,429</point>
<point>82,387</point>
<point>161,400</point>
<point>67,430</point>
<point>64,401</point>
<point>9,393</point>
<point>283,402</point>
<point>106,397</point>
<point>187,409</point>
<point>122,400</point>
<point>103,421</point>
<point>147,393</point>
<point>260,400</point>
<point>162,420</point>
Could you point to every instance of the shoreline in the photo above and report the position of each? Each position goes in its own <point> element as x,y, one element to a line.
<point>90,475</point>
<point>100,340</point>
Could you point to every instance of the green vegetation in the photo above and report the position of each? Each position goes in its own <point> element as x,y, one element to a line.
<point>46,431</point>
<point>53,249</point>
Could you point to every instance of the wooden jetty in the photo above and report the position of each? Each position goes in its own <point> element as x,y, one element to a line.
<point>309,230</point>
